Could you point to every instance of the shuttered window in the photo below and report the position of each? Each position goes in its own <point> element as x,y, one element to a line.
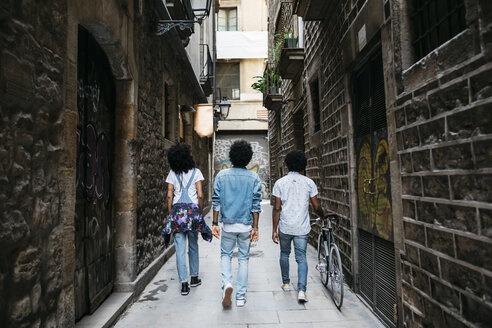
<point>227,80</point>
<point>227,19</point>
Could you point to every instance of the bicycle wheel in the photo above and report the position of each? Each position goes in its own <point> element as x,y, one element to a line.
<point>322,259</point>
<point>336,276</point>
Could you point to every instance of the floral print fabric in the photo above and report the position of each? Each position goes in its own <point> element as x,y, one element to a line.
<point>186,217</point>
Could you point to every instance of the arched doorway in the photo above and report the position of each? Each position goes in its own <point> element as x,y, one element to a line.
<point>94,242</point>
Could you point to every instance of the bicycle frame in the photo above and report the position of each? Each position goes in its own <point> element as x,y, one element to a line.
<point>327,234</point>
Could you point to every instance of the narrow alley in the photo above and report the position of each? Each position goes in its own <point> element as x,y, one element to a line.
<point>267,305</point>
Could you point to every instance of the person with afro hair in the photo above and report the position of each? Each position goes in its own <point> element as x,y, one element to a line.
<point>290,215</point>
<point>236,204</point>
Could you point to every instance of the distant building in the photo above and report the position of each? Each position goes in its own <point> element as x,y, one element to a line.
<point>91,99</point>
<point>241,54</point>
<point>391,101</point>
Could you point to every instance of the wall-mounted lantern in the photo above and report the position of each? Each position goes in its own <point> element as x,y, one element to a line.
<point>221,110</point>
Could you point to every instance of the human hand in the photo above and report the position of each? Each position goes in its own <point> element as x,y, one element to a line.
<point>216,231</point>
<point>275,237</point>
<point>254,235</point>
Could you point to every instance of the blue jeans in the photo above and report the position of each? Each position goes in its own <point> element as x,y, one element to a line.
<point>300,245</point>
<point>228,242</point>
<point>180,246</point>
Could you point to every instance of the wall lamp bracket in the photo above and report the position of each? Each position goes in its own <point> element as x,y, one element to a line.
<point>164,26</point>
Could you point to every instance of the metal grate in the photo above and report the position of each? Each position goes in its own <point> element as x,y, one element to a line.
<point>366,266</point>
<point>435,22</point>
<point>385,278</point>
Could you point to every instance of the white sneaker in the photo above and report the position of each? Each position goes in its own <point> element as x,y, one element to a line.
<point>286,287</point>
<point>301,297</point>
<point>226,296</point>
<point>240,302</point>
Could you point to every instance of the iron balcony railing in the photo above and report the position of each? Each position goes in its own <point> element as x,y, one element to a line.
<point>273,81</point>
<point>289,28</point>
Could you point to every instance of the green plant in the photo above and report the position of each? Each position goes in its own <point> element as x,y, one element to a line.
<point>277,50</point>
<point>259,85</point>
<point>269,77</point>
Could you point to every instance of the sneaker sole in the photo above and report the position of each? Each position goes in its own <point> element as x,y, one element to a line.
<point>184,294</point>
<point>226,302</point>
<point>195,285</point>
<point>241,305</point>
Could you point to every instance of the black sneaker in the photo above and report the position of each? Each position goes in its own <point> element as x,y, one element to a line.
<point>195,281</point>
<point>185,289</point>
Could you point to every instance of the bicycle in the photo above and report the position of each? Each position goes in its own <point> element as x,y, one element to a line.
<point>329,263</point>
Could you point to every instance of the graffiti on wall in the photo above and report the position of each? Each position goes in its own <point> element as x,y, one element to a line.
<point>373,190</point>
<point>93,174</point>
<point>259,161</point>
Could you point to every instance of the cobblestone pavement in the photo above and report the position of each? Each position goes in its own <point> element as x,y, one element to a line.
<point>161,304</point>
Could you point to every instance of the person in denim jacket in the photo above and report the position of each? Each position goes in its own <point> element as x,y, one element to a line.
<point>236,204</point>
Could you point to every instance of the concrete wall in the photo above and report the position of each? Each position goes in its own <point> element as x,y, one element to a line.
<point>38,97</point>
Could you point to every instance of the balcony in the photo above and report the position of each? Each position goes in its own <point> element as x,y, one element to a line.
<point>311,10</point>
<point>289,49</point>
<point>272,92</point>
<point>181,10</point>
<point>206,69</point>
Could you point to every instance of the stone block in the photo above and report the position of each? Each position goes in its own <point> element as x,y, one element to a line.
<point>461,276</point>
<point>440,241</point>
<point>13,228</point>
<point>20,309</point>
<point>400,117</point>
<point>473,122</point>
<point>406,273</point>
<point>445,295</point>
<point>472,187</point>
<point>412,254</point>
<point>477,312</point>
<point>408,208</point>
<point>428,262</point>
<point>421,161</point>
<point>486,222</point>
<point>483,154</point>
<point>411,186</point>
<point>455,217</point>
<point>412,297</point>
<point>433,316</point>
<point>436,186</point>
<point>410,138</point>
<point>414,232</point>
<point>27,265</point>
<point>35,297</point>
<point>453,157</point>
<point>432,132</point>
<point>417,110</point>
<point>481,85</point>
<point>449,98</point>
<point>474,251</point>
<point>406,163</point>
<point>420,280</point>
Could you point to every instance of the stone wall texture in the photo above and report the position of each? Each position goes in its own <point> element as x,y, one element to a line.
<point>38,125</point>
<point>438,111</point>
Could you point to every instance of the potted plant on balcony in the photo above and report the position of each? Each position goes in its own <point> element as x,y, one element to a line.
<point>270,78</point>
<point>290,41</point>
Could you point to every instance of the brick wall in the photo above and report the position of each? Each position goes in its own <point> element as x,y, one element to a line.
<point>444,141</point>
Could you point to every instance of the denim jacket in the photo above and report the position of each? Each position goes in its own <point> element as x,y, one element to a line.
<point>237,193</point>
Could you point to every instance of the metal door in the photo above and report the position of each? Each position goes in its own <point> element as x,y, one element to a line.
<point>376,248</point>
<point>93,209</point>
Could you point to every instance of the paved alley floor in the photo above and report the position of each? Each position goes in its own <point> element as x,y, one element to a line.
<point>161,304</point>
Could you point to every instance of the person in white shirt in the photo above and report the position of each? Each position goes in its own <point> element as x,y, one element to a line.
<point>185,204</point>
<point>290,215</point>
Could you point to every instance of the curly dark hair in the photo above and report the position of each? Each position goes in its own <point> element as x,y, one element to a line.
<point>296,161</point>
<point>240,153</point>
<point>180,159</point>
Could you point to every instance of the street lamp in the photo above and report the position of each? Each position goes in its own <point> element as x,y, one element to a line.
<point>222,109</point>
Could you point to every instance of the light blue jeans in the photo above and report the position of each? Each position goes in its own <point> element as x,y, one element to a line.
<point>180,246</point>
<point>300,245</point>
<point>228,242</point>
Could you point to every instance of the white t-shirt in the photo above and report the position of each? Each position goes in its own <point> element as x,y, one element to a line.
<point>185,177</point>
<point>236,227</point>
<point>295,191</point>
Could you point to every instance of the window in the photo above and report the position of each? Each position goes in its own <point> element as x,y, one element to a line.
<point>435,22</point>
<point>227,19</point>
<point>227,82</point>
<point>314,90</point>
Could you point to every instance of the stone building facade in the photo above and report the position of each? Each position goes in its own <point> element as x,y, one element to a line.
<point>390,100</point>
<point>91,100</point>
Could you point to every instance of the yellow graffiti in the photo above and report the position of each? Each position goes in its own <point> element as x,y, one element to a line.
<point>374,203</point>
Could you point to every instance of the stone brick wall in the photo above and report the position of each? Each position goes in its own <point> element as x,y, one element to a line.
<point>31,103</point>
<point>444,140</point>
